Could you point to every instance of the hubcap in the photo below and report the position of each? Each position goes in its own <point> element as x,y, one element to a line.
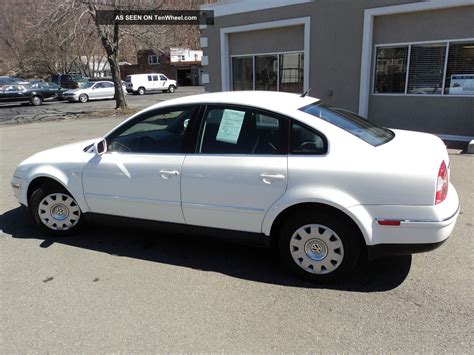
<point>316,249</point>
<point>59,211</point>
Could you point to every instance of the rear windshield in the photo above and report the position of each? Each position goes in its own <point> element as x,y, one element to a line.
<point>350,122</point>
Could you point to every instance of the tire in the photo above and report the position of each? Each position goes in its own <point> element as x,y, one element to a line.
<point>83,98</point>
<point>141,91</point>
<point>36,100</point>
<point>171,89</point>
<point>319,246</point>
<point>54,210</point>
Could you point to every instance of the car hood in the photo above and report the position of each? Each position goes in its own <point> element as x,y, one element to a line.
<point>76,91</point>
<point>68,156</point>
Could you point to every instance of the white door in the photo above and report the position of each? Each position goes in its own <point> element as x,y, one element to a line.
<point>163,80</point>
<point>139,176</point>
<point>238,172</point>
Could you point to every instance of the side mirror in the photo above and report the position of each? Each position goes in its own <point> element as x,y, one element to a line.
<point>100,147</point>
<point>185,123</point>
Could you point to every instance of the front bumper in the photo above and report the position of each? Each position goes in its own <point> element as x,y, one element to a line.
<point>19,187</point>
<point>71,97</point>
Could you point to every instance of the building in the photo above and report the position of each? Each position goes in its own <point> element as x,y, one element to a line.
<point>149,61</point>
<point>188,65</point>
<point>402,63</point>
<point>182,65</point>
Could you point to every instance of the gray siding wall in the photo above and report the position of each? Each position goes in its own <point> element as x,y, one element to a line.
<point>335,56</point>
<point>443,114</point>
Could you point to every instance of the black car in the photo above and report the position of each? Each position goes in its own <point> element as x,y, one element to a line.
<point>43,85</point>
<point>19,93</point>
<point>69,81</point>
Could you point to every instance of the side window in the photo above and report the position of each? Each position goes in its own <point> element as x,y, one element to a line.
<point>162,77</point>
<point>108,85</point>
<point>239,131</point>
<point>155,77</point>
<point>155,132</point>
<point>98,86</point>
<point>149,78</point>
<point>306,141</point>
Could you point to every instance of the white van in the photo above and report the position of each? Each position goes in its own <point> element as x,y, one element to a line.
<point>141,83</point>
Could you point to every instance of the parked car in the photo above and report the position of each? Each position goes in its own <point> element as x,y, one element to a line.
<point>19,93</point>
<point>40,84</point>
<point>91,90</point>
<point>69,81</point>
<point>142,83</point>
<point>4,80</point>
<point>323,185</point>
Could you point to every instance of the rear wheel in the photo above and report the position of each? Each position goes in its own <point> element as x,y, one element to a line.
<point>54,210</point>
<point>141,91</point>
<point>36,100</point>
<point>319,246</point>
<point>83,98</point>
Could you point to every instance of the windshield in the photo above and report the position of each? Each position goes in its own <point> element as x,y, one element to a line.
<point>350,122</point>
<point>87,84</point>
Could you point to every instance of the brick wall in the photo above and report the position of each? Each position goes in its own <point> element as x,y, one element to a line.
<point>143,67</point>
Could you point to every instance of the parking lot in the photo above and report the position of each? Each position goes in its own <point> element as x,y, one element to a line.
<point>13,112</point>
<point>135,291</point>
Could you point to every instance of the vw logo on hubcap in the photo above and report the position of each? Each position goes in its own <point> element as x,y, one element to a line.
<point>316,249</point>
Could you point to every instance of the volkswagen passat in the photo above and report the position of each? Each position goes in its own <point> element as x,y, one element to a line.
<point>323,185</point>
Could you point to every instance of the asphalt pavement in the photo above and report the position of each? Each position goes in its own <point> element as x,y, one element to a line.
<point>112,290</point>
<point>16,112</point>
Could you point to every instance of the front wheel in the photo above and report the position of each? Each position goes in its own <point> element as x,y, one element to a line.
<point>171,88</point>
<point>36,100</point>
<point>319,246</point>
<point>54,210</point>
<point>141,91</point>
<point>83,98</point>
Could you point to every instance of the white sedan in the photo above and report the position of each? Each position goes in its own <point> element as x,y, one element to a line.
<point>323,185</point>
<point>93,90</point>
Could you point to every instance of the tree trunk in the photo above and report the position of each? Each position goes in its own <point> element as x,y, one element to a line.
<point>119,94</point>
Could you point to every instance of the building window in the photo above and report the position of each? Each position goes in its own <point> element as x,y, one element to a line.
<point>153,59</point>
<point>266,72</point>
<point>460,69</point>
<point>291,72</point>
<point>242,73</point>
<point>426,69</point>
<point>271,72</point>
<point>391,70</point>
<point>434,68</point>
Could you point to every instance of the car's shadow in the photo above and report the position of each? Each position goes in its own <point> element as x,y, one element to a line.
<point>240,261</point>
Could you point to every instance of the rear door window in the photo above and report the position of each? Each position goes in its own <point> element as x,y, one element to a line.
<point>228,130</point>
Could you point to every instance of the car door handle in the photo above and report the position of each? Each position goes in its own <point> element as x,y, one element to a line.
<point>165,174</point>
<point>267,178</point>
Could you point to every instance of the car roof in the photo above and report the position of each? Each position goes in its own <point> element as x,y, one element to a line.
<point>282,102</point>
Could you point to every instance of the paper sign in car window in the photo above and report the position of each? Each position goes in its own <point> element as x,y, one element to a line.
<point>231,124</point>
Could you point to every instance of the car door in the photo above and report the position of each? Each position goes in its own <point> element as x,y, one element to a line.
<point>109,90</point>
<point>139,176</point>
<point>238,171</point>
<point>149,84</point>
<point>163,80</point>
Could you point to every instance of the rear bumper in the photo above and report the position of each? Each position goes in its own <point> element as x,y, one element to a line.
<point>419,228</point>
<point>384,250</point>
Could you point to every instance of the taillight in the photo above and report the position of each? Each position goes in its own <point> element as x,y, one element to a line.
<point>442,184</point>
